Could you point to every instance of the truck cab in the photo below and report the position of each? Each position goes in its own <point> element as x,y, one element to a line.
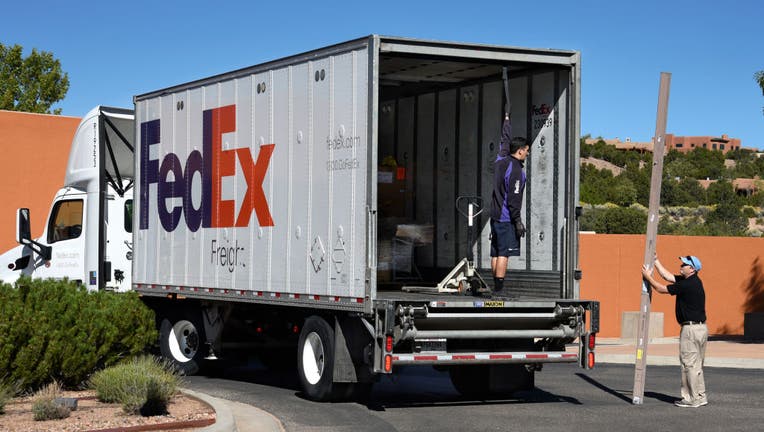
<point>87,237</point>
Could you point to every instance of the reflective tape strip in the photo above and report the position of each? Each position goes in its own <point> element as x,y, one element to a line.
<point>484,357</point>
<point>243,293</point>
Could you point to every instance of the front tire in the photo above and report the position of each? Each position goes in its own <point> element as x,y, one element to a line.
<point>315,359</point>
<point>182,341</point>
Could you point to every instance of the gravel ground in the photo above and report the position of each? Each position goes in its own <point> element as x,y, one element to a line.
<point>92,415</point>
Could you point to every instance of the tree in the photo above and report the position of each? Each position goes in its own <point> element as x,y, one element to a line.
<point>759,77</point>
<point>727,220</point>
<point>30,84</point>
<point>722,192</point>
<point>614,220</point>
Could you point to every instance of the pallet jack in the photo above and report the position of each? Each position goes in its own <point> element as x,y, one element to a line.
<point>464,278</point>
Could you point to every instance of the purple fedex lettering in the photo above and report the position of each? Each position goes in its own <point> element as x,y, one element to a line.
<point>149,167</point>
<point>212,165</point>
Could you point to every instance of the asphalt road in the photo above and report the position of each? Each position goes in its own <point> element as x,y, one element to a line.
<point>565,398</point>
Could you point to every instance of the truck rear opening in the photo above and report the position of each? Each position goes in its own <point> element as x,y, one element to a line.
<point>439,118</point>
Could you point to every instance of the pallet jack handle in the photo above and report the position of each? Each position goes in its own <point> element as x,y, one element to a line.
<point>469,207</point>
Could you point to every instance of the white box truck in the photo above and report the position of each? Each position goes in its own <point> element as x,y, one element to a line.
<point>290,207</point>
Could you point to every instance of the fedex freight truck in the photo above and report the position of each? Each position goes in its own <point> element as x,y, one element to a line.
<point>306,208</point>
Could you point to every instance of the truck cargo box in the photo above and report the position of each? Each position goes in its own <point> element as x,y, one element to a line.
<point>301,180</point>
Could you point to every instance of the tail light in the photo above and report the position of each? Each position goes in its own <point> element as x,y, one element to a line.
<point>587,351</point>
<point>388,363</point>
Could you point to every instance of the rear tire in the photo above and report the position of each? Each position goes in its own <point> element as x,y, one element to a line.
<point>315,359</point>
<point>470,381</point>
<point>182,341</point>
<point>481,381</point>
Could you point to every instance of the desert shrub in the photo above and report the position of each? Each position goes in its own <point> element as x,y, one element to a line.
<point>143,385</point>
<point>45,406</point>
<point>6,393</point>
<point>56,330</point>
<point>749,211</point>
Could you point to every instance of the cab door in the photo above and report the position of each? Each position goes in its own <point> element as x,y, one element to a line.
<point>65,235</point>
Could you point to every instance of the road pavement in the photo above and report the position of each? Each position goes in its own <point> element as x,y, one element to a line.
<point>726,352</point>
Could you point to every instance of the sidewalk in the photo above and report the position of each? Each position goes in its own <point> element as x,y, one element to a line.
<point>233,416</point>
<point>731,352</point>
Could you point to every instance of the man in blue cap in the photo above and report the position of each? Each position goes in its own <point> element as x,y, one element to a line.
<point>691,315</point>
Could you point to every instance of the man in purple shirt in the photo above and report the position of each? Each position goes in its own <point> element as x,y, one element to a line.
<point>509,185</point>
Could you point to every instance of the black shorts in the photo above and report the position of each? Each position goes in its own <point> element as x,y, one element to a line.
<point>504,239</point>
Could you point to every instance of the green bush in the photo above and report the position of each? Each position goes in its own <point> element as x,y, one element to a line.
<point>45,406</point>
<point>6,393</point>
<point>143,385</point>
<point>749,212</point>
<point>56,330</point>
<point>611,219</point>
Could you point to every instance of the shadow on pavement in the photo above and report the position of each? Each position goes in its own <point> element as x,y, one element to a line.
<point>619,394</point>
<point>661,397</point>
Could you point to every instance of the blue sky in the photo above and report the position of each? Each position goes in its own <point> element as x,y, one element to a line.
<point>114,50</point>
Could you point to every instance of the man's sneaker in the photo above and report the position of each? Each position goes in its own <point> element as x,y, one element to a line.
<point>703,402</point>
<point>688,404</point>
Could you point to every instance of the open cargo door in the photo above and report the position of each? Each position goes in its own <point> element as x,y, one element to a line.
<point>440,113</point>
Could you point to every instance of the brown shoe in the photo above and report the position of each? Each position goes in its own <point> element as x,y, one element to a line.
<point>688,404</point>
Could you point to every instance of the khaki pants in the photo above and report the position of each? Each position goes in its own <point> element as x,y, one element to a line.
<point>692,351</point>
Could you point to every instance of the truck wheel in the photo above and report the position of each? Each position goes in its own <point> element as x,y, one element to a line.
<point>470,381</point>
<point>182,342</point>
<point>315,359</point>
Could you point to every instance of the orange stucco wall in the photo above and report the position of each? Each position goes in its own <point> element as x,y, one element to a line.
<point>732,274</point>
<point>34,149</point>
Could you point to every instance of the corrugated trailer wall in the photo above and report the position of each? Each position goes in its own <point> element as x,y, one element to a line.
<point>295,165</point>
<point>263,178</point>
<point>447,141</point>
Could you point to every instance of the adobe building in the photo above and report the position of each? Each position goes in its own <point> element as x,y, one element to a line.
<point>34,149</point>
<point>682,144</point>
<point>627,145</point>
<point>685,144</point>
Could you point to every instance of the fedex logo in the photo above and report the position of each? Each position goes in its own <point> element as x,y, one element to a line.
<point>212,164</point>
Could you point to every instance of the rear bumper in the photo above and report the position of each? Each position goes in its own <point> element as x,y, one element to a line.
<point>484,358</point>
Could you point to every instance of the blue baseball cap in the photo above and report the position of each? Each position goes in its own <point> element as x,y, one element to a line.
<point>692,261</point>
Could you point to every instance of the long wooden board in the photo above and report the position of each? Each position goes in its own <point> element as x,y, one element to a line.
<point>643,329</point>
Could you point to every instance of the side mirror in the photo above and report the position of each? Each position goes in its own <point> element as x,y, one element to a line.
<point>24,235</point>
<point>23,229</point>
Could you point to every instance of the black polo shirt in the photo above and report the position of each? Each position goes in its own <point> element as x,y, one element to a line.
<point>690,298</point>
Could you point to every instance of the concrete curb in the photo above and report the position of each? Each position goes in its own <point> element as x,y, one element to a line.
<point>721,362</point>
<point>224,421</point>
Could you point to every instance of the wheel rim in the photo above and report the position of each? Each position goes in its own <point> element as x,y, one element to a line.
<point>313,358</point>
<point>183,341</point>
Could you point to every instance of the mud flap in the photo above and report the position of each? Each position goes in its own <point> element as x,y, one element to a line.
<point>350,336</point>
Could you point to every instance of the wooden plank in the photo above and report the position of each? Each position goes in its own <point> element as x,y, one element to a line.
<point>659,145</point>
